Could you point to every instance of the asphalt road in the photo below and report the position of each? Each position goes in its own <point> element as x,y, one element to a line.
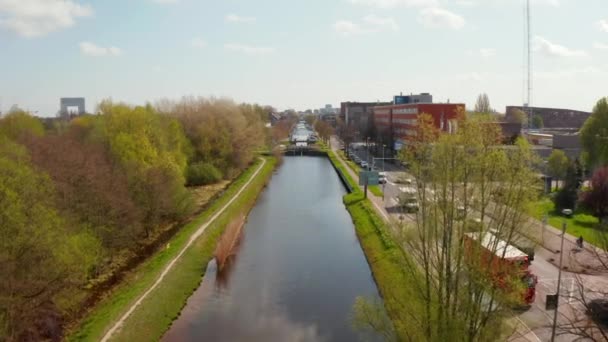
<point>536,322</point>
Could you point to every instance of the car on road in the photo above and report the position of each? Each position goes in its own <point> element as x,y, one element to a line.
<point>382,178</point>
<point>408,199</point>
<point>406,181</point>
<point>364,164</point>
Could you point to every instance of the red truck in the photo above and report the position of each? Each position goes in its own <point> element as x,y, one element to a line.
<point>504,260</point>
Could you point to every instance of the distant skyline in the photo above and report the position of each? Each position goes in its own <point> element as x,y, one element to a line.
<point>300,54</point>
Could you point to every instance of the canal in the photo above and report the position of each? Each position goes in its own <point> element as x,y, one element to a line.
<point>297,272</point>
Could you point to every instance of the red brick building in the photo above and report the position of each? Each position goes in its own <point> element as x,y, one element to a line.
<point>396,124</point>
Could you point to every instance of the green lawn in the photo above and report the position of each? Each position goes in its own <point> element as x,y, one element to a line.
<point>374,189</point>
<point>385,259</point>
<point>580,224</point>
<point>155,314</point>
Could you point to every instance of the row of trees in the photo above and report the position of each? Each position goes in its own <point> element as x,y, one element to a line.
<point>79,203</point>
<point>461,179</point>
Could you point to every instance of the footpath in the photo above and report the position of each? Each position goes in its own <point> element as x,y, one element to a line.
<point>118,324</point>
<point>377,201</point>
<point>587,260</point>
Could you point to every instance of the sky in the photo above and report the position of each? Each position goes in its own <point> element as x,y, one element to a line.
<point>300,54</point>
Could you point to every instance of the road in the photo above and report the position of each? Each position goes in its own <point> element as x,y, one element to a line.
<point>535,323</point>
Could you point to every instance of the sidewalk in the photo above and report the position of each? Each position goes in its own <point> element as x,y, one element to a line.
<point>587,260</point>
<point>378,202</point>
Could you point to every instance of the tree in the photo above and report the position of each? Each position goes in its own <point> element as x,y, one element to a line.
<point>567,196</point>
<point>557,165</point>
<point>41,259</point>
<point>324,130</point>
<point>482,105</point>
<point>537,121</point>
<point>596,198</point>
<point>452,294</point>
<point>19,124</point>
<point>521,117</point>
<point>594,135</point>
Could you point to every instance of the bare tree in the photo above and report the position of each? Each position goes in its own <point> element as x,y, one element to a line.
<point>482,105</point>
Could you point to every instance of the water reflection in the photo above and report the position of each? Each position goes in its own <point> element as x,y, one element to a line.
<point>297,273</point>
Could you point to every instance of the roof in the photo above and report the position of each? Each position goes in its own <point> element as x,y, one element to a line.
<point>491,242</point>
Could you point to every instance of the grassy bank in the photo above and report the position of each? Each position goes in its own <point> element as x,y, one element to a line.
<point>374,189</point>
<point>384,257</point>
<point>155,314</point>
<point>580,224</point>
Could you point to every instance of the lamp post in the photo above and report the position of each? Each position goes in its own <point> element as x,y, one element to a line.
<point>566,212</point>
<point>367,148</point>
<point>383,160</point>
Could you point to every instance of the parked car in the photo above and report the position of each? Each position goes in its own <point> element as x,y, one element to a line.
<point>364,164</point>
<point>382,179</point>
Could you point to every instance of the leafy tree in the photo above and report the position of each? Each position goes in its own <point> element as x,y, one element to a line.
<point>567,196</point>
<point>557,165</point>
<point>594,135</point>
<point>19,124</point>
<point>596,198</point>
<point>482,105</point>
<point>453,295</point>
<point>92,189</point>
<point>39,257</point>
<point>537,121</point>
<point>203,173</point>
<point>521,117</point>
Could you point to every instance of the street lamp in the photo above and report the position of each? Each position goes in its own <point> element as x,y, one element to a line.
<point>367,148</point>
<point>566,212</point>
<point>383,160</point>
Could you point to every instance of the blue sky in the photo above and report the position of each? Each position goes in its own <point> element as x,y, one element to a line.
<point>299,54</point>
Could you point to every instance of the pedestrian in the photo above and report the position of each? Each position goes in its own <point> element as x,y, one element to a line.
<point>579,242</point>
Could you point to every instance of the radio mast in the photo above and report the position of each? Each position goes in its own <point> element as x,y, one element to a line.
<point>528,101</point>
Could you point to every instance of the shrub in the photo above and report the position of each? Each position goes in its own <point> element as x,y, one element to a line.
<point>203,174</point>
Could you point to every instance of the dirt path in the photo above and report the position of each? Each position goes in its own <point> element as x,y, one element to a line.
<point>168,268</point>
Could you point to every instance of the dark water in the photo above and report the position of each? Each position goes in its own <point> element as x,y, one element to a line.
<point>298,270</point>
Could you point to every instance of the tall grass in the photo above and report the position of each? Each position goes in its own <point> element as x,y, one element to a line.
<point>229,241</point>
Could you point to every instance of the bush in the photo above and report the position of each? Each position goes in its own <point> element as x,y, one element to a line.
<point>203,174</point>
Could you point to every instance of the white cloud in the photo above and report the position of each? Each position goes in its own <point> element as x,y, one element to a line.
<point>436,17</point>
<point>370,24</point>
<point>471,3</point>
<point>90,49</point>
<point>198,43</point>
<point>347,28</point>
<point>395,3</point>
<point>600,46</point>
<point>555,50</point>
<point>35,18</point>
<point>381,23</point>
<point>603,25</point>
<point>248,49</point>
<point>487,52</point>
<point>234,18</point>
<point>466,3</point>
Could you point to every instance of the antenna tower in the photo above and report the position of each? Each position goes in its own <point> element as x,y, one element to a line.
<point>528,103</point>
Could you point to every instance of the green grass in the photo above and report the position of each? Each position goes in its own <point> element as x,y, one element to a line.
<point>385,259</point>
<point>580,224</point>
<point>375,189</point>
<point>155,314</point>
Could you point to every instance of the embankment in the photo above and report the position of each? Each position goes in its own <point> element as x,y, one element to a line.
<point>154,315</point>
